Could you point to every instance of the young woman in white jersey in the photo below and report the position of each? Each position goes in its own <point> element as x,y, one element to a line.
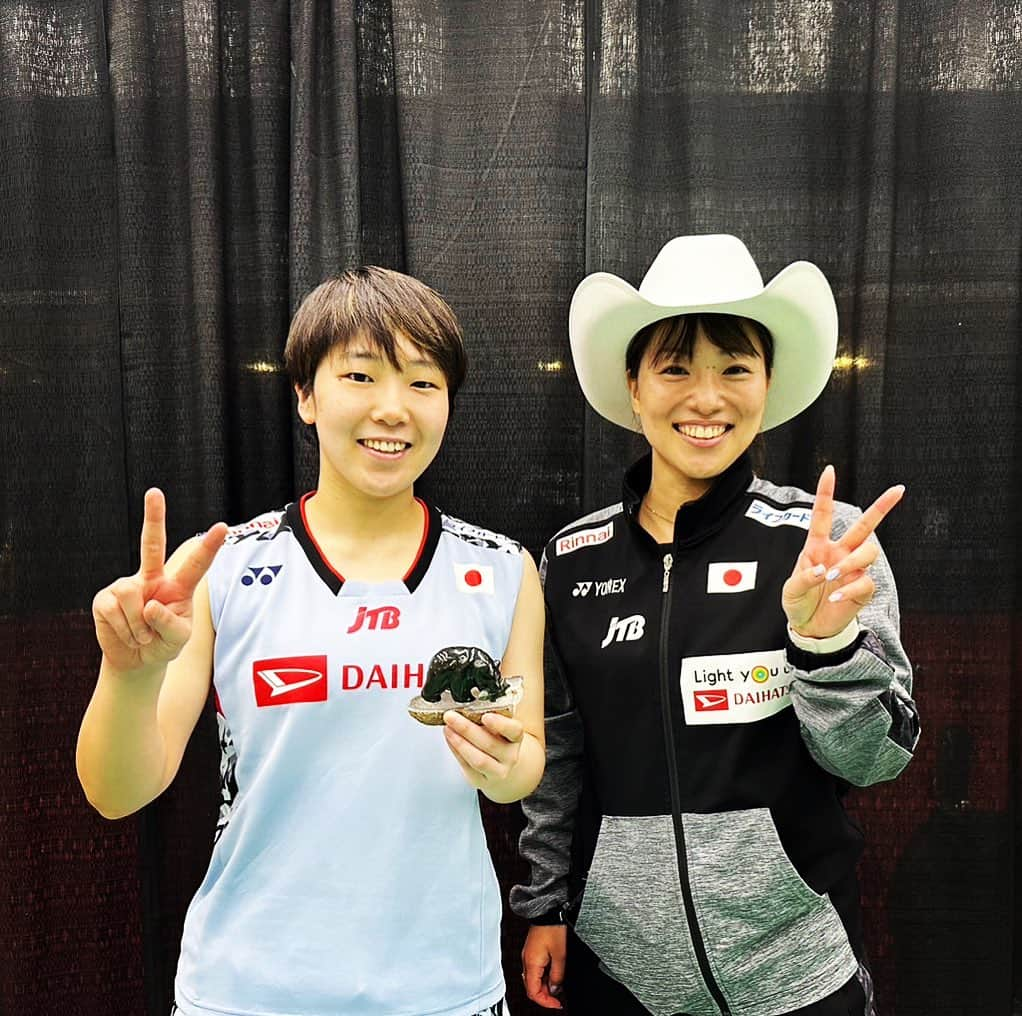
<point>350,873</point>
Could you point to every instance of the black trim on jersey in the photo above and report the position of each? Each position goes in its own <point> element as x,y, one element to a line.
<point>434,528</point>
<point>293,513</point>
<point>334,582</point>
<point>699,519</point>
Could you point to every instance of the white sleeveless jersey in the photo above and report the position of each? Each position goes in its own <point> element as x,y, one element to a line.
<point>350,874</point>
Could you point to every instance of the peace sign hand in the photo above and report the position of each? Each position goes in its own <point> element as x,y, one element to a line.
<point>830,583</point>
<point>145,619</point>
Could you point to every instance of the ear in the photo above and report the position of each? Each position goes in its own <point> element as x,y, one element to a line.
<point>633,391</point>
<point>306,405</point>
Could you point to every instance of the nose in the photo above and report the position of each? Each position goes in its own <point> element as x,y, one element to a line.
<point>706,395</point>
<point>389,406</point>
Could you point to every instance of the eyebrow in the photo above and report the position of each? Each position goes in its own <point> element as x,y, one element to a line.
<point>366,354</point>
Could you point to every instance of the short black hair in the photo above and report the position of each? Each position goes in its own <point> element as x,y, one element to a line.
<point>675,337</point>
<point>377,305</point>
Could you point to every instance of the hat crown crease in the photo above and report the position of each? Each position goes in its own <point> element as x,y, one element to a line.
<point>702,271</point>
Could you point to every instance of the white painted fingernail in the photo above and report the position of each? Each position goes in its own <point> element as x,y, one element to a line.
<point>835,596</point>
<point>818,570</point>
<point>833,574</point>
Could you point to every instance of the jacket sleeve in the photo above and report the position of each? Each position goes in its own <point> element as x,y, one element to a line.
<point>855,706</point>
<point>551,809</point>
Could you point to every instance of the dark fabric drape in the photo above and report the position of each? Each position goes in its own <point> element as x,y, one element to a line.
<point>177,175</point>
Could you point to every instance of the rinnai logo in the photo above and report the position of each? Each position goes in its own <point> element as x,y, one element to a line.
<point>731,576</point>
<point>624,629</point>
<point>584,538</point>
<point>290,679</point>
<point>379,617</point>
<point>761,512</point>
<point>710,701</point>
<point>474,578</point>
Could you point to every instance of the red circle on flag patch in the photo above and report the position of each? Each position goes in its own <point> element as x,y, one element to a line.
<point>732,577</point>
<point>473,578</point>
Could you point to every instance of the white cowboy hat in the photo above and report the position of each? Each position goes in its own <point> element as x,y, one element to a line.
<point>711,274</point>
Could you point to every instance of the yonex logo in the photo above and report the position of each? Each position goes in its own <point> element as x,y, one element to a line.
<point>600,587</point>
<point>290,679</point>
<point>263,575</point>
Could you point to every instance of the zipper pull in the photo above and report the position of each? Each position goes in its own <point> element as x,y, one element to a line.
<point>668,561</point>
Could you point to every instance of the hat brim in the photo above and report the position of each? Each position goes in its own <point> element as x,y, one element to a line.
<point>797,306</point>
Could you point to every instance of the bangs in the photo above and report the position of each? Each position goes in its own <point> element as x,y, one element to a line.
<point>674,338</point>
<point>375,308</point>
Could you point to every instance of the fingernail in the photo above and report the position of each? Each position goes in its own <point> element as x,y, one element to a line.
<point>145,636</point>
<point>835,596</point>
<point>818,570</point>
<point>833,574</point>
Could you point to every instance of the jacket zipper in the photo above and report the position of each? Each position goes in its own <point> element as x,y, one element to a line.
<point>672,772</point>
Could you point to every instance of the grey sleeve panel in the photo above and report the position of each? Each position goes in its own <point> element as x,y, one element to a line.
<point>857,717</point>
<point>550,812</point>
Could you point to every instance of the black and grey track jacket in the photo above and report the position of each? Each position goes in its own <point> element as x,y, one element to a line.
<point>689,823</point>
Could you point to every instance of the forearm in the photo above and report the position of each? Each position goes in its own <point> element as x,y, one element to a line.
<point>121,755</point>
<point>523,777</point>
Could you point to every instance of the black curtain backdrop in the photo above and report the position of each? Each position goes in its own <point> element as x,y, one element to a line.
<point>176,174</point>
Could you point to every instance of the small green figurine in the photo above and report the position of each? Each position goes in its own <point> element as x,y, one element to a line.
<point>467,680</point>
<point>467,672</point>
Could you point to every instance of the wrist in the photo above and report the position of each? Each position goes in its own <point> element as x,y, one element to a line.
<point>828,643</point>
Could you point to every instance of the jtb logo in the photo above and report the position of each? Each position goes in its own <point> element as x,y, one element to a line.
<point>378,617</point>
<point>625,629</point>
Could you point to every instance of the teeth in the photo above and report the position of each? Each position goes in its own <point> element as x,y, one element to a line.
<point>703,432</point>
<point>384,446</point>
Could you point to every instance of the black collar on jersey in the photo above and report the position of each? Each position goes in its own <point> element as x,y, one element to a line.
<point>695,519</point>
<point>335,581</point>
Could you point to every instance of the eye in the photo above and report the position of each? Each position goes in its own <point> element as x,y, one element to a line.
<point>737,369</point>
<point>357,376</point>
<point>425,385</point>
<point>675,370</point>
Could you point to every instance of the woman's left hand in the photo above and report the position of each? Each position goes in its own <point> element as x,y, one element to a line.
<point>485,751</point>
<point>830,583</point>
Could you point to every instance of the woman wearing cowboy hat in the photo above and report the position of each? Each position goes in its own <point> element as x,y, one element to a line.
<point>727,662</point>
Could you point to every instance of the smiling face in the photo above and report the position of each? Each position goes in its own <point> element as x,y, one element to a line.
<point>379,424</point>
<point>699,410</point>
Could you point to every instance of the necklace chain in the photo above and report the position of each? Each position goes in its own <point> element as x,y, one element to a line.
<point>653,511</point>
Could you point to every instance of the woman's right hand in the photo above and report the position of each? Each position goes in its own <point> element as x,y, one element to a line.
<point>144,620</point>
<point>543,959</point>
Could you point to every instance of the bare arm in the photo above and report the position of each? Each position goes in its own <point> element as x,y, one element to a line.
<point>504,756</point>
<point>157,637</point>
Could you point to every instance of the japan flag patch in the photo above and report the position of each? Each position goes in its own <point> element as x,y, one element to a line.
<point>474,578</point>
<point>731,576</point>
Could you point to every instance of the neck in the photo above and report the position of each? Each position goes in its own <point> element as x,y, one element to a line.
<point>669,489</point>
<point>341,515</point>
